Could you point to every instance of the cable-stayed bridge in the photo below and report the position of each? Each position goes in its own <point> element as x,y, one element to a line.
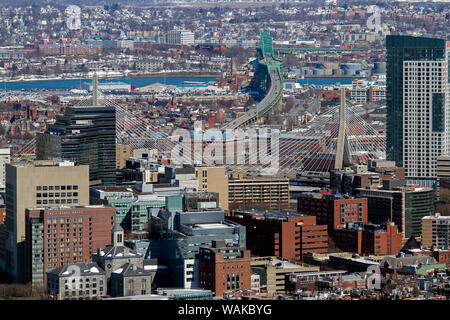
<point>336,138</point>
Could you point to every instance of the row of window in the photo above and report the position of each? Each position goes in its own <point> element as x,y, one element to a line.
<point>57,201</point>
<point>39,188</point>
<point>56,194</point>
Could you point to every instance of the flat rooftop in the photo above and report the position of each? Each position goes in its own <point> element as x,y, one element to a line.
<point>210,226</point>
<point>270,214</point>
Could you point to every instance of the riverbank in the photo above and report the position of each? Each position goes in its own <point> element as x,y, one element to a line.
<point>177,74</point>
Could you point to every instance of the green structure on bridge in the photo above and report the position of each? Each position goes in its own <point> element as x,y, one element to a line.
<point>270,82</point>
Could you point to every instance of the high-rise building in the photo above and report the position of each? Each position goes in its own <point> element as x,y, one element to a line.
<point>443,176</point>
<point>86,135</point>
<point>59,236</point>
<point>43,184</point>
<point>418,112</point>
<point>123,152</point>
<point>5,157</point>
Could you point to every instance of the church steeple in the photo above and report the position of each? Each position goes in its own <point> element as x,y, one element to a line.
<point>117,236</point>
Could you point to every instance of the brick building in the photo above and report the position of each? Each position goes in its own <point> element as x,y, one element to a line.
<point>365,238</point>
<point>278,234</point>
<point>223,267</point>
<point>334,210</point>
<point>60,236</point>
<point>403,204</point>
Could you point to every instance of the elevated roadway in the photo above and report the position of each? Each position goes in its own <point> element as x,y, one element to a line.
<point>273,93</point>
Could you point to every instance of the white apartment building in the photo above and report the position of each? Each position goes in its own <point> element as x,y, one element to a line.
<point>178,37</point>
<point>426,116</point>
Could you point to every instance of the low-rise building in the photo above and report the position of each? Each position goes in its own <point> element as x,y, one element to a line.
<point>367,238</point>
<point>274,272</point>
<point>78,281</point>
<point>436,231</point>
<point>246,193</point>
<point>289,236</point>
<point>224,267</point>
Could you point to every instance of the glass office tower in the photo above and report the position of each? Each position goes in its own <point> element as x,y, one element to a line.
<point>85,135</point>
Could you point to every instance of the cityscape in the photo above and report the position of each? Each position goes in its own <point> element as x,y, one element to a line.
<point>225,151</point>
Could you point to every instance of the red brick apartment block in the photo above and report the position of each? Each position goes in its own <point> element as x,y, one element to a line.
<point>333,210</point>
<point>278,234</point>
<point>59,236</point>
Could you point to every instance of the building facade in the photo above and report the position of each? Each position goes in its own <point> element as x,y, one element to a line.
<point>214,179</point>
<point>5,158</point>
<point>417,108</point>
<point>177,37</point>
<point>369,239</point>
<point>59,236</point>
<point>85,135</point>
<point>404,205</point>
<point>223,268</point>
<point>272,194</point>
<point>76,281</point>
<point>436,232</point>
<point>277,234</point>
<point>43,184</point>
<point>333,210</point>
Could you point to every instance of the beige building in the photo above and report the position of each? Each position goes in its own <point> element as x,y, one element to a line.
<point>246,193</point>
<point>214,179</point>
<point>436,232</point>
<point>123,152</point>
<point>38,184</point>
<point>273,271</point>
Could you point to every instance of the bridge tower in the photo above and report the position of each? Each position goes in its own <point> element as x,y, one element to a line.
<point>95,90</point>
<point>343,157</point>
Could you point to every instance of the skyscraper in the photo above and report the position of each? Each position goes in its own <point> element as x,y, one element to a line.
<point>85,135</point>
<point>418,115</point>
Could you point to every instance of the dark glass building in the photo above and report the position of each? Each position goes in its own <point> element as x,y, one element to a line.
<point>87,136</point>
<point>398,50</point>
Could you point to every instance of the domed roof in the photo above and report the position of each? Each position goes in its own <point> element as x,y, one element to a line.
<point>117,228</point>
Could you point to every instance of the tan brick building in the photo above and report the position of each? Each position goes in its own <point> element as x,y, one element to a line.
<point>39,183</point>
